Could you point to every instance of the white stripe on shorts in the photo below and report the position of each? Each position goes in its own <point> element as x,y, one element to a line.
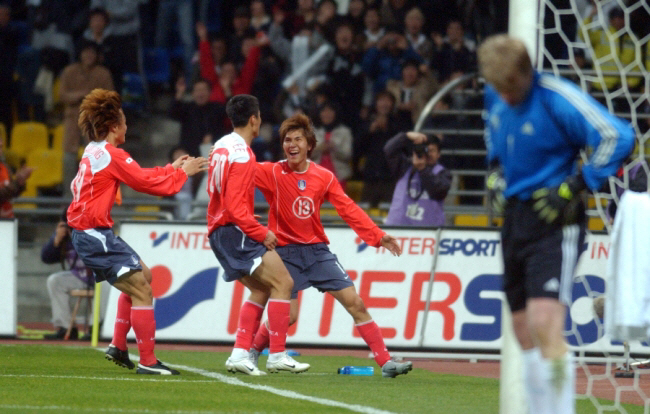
<point>569,259</point>
<point>98,236</point>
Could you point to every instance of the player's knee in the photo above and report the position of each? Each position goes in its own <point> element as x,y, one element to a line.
<point>142,289</point>
<point>356,307</point>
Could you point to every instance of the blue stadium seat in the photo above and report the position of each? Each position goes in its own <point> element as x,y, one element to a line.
<point>156,65</point>
<point>133,92</point>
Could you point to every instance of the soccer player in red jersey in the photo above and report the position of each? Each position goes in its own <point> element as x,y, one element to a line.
<point>101,170</point>
<point>295,189</point>
<point>245,248</point>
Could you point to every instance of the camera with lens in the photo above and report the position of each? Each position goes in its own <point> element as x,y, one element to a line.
<point>421,150</point>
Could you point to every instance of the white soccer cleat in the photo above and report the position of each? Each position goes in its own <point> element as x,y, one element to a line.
<point>244,365</point>
<point>254,356</point>
<point>284,362</point>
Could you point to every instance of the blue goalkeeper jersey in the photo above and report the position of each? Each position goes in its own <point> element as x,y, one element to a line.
<point>538,141</point>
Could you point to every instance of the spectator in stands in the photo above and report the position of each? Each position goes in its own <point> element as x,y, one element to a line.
<point>412,92</point>
<point>393,13</point>
<point>600,41</point>
<point>423,183</point>
<point>229,82</point>
<point>260,20</point>
<point>333,148</point>
<point>77,80</point>
<point>305,14</point>
<point>124,28</point>
<point>384,61</point>
<point>378,181</point>
<point>241,23</point>
<point>327,19</point>
<point>202,121</point>
<point>73,275</point>
<point>97,30</point>
<point>452,54</point>
<point>373,30</point>
<point>9,52</point>
<point>345,75</point>
<point>355,16</point>
<point>414,22</point>
<point>180,12</point>
<point>11,185</point>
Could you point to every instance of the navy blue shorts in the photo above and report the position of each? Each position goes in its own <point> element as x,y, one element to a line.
<point>313,265</point>
<point>238,254</point>
<point>107,255</point>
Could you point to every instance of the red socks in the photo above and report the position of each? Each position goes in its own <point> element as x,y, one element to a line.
<point>122,321</point>
<point>370,333</point>
<point>261,340</point>
<point>250,315</point>
<point>144,326</point>
<point>278,311</point>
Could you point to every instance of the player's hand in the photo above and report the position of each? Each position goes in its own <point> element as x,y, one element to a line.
<point>178,163</point>
<point>416,137</point>
<point>23,174</point>
<point>62,231</point>
<point>390,243</point>
<point>496,185</point>
<point>559,203</point>
<point>193,166</point>
<point>270,241</point>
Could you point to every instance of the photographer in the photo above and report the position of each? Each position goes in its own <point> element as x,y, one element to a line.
<point>74,275</point>
<point>423,183</point>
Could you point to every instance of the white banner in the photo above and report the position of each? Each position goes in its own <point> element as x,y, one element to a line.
<point>192,302</point>
<point>8,261</point>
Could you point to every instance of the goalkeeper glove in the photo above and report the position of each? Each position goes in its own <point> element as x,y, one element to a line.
<point>552,204</point>
<point>496,185</point>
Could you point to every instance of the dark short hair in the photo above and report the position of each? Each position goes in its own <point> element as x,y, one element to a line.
<point>202,80</point>
<point>411,62</point>
<point>102,12</point>
<point>240,108</point>
<point>242,11</point>
<point>616,12</point>
<point>433,139</point>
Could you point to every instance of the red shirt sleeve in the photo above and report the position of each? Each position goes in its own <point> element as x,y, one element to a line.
<point>206,65</point>
<point>237,201</point>
<point>354,215</point>
<point>244,83</point>
<point>160,181</point>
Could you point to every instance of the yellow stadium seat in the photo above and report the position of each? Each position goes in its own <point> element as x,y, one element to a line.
<point>48,170</point>
<point>354,189</point>
<point>28,136</point>
<point>57,137</point>
<point>146,209</point>
<point>476,220</point>
<point>595,224</point>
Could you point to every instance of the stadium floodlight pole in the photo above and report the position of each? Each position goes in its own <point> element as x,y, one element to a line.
<point>523,21</point>
<point>432,278</point>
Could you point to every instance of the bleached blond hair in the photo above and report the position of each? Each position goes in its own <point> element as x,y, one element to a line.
<point>501,58</point>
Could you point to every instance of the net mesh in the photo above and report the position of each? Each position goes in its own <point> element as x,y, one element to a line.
<point>604,46</point>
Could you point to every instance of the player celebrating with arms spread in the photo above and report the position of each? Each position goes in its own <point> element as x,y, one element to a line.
<point>535,127</point>
<point>101,170</point>
<point>243,246</point>
<point>295,189</point>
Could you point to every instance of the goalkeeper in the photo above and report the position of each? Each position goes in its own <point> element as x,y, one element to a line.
<point>536,126</point>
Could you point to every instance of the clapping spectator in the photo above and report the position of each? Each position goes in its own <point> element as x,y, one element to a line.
<point>412,92</point>
<point>423,183</point>
<point>229,82</point>
<point>378,181</point>
<point>11,185</point>
<point>452,54</point>
<point>385,60</point>
<point>202,121</point>
<point>77,80</point>
<point>333,148</point>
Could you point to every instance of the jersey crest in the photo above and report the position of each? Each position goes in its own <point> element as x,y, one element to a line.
<point>302,184</point>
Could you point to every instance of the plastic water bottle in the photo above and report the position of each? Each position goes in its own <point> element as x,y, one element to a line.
<point>352,370</point>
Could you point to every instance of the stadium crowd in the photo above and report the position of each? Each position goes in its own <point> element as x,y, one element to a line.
<point>361,69</point>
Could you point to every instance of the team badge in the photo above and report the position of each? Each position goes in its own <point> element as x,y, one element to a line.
<point>302,184</point>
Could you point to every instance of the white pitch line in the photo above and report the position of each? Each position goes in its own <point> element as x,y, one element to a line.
<point>277,391</point>
<point>68,408</point>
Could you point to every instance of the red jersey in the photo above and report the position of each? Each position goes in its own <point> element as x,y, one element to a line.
<point>296,197</point>
<point>101,170</point>
<point>231,187</point>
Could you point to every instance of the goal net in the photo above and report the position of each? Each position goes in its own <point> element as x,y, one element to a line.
<point>604,47</point>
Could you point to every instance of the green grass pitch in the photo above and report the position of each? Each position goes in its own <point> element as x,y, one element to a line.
<point>52,378</point>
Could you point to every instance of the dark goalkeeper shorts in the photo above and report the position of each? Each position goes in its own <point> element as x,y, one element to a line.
<point>313,265</point>
<point>238,254</point>
<point>107,255</point>
<point>539,259</point>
